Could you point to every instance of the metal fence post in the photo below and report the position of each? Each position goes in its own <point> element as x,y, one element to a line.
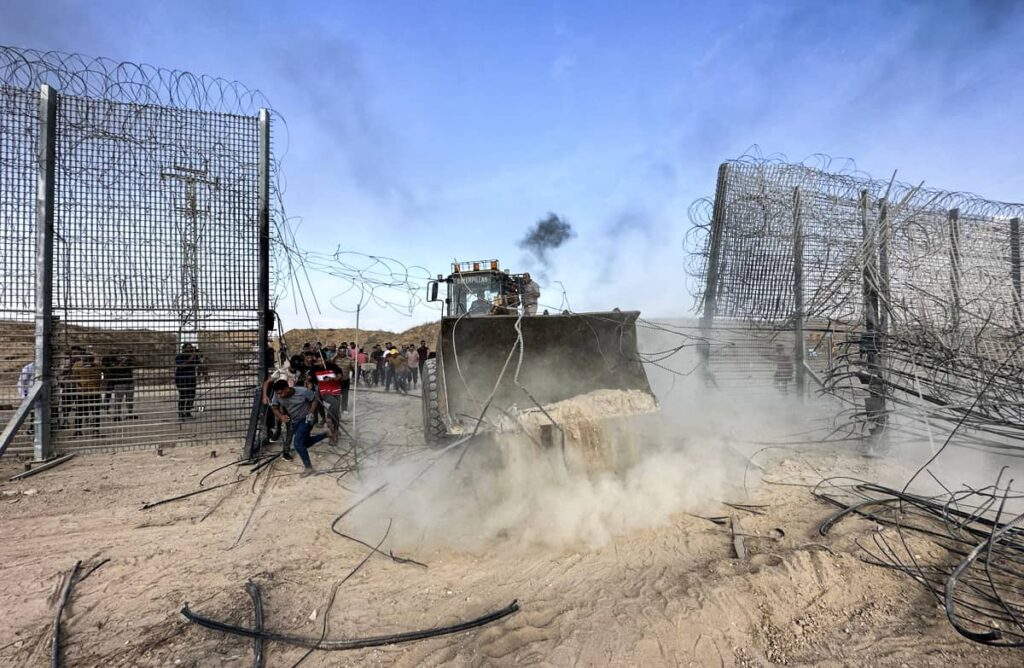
<point>1015,270</point>
<point>714,260</point>
<point>884,282</point>
<point>264,242</point>
<point>955,265</point>
<point>875,404</point>
<point>47,159</point>
<point>799,355</point>
<point>258,412</point>
<point>869,264</point>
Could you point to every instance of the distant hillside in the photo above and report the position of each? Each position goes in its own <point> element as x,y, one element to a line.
<point>367,338</point>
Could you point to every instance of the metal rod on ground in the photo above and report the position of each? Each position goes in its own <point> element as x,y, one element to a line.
<point>352,643</point>
<point>45,187</point>
<point>56,659</point>
<point>20,415</point>
<point>43,467</point>
<point>187,495</point>
<point>257,604</point>
<point>798,297</point>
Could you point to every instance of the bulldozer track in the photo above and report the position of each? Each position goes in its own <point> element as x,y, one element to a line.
<point>434,429</point>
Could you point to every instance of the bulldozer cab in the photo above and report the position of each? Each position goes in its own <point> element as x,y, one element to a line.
<point>478,288</point>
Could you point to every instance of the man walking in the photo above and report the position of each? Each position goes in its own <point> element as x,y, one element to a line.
<point>412,358</point>
<point>399,371</point>
<point>186,373</point>
<point>389,367</point>
<point>423,352</point>
<point>88,379</point>
<point>297,406</point>
<point>120,377</point>
<point>26,379</point>
<point>378,364</point>
<point>346,371</point>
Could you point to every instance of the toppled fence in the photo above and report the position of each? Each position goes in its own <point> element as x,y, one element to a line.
<point>134,277</point>
<point>900,300</point>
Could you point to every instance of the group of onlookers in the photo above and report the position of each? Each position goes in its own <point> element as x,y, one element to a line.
<point>313,387</point>
<point>88,386</point>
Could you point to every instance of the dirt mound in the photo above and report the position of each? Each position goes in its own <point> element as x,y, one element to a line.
<point>367,337</point>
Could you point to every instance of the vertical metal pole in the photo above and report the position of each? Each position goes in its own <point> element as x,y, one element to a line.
<point>799,315</point>
<point>869,265</point>
<point>884,294</point>
<point>955,268</point>
<point>264,239</point>
<point>884,283</point>
<point>45,193</point>
<point>355,389</point>
<point>714,263</point>
<point>870,341</point>
<point>1015,270</point>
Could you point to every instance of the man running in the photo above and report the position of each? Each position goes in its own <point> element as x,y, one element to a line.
<point>399,371</point>
<point>297,406</point>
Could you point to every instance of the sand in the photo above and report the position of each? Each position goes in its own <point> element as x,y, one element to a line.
<point>672,594</point>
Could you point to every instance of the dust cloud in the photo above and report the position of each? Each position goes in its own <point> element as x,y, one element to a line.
<point>512,492</point>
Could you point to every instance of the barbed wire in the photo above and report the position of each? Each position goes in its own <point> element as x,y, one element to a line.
<point>374,280</point>
<point>916,289</point>
<point>123,81</point>
<point>365,280</point>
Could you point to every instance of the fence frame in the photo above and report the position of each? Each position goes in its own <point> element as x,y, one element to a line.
<point>38,405</point>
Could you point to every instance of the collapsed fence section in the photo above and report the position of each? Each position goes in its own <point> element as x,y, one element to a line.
<point>136,289</point>
<point>917,291</point>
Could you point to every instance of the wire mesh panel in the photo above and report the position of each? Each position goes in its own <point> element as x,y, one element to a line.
<point>156,277</point>
<point>156,268</point>
<point>948,253</point>
<point>916,290</point>
<point>18,128</point>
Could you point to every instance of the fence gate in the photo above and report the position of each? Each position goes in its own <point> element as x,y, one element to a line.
<point>134,278</point>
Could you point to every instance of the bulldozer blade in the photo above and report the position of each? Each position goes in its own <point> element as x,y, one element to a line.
<point>561,356</point>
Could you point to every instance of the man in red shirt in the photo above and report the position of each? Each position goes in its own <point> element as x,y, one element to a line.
<point>332,383</point>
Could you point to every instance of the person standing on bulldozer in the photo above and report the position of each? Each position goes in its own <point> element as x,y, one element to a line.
<point>530,295</point>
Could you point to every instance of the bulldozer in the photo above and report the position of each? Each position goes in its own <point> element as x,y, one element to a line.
<point>492,360</point>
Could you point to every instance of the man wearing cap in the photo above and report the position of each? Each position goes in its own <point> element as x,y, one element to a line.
<point>531,295</point>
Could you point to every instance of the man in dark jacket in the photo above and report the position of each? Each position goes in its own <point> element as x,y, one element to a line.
<point>423,352</point>
<point>119,375</point>
<point>187,367</point>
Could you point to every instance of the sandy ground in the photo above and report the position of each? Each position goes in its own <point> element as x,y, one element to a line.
<point>673,594</point>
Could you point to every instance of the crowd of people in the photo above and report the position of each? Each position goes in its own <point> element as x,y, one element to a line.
<point>313,386</point>
<point>88,386</point>
<point>320,378</point>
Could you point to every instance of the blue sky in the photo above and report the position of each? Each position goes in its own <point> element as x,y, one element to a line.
<point>428,131</point>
